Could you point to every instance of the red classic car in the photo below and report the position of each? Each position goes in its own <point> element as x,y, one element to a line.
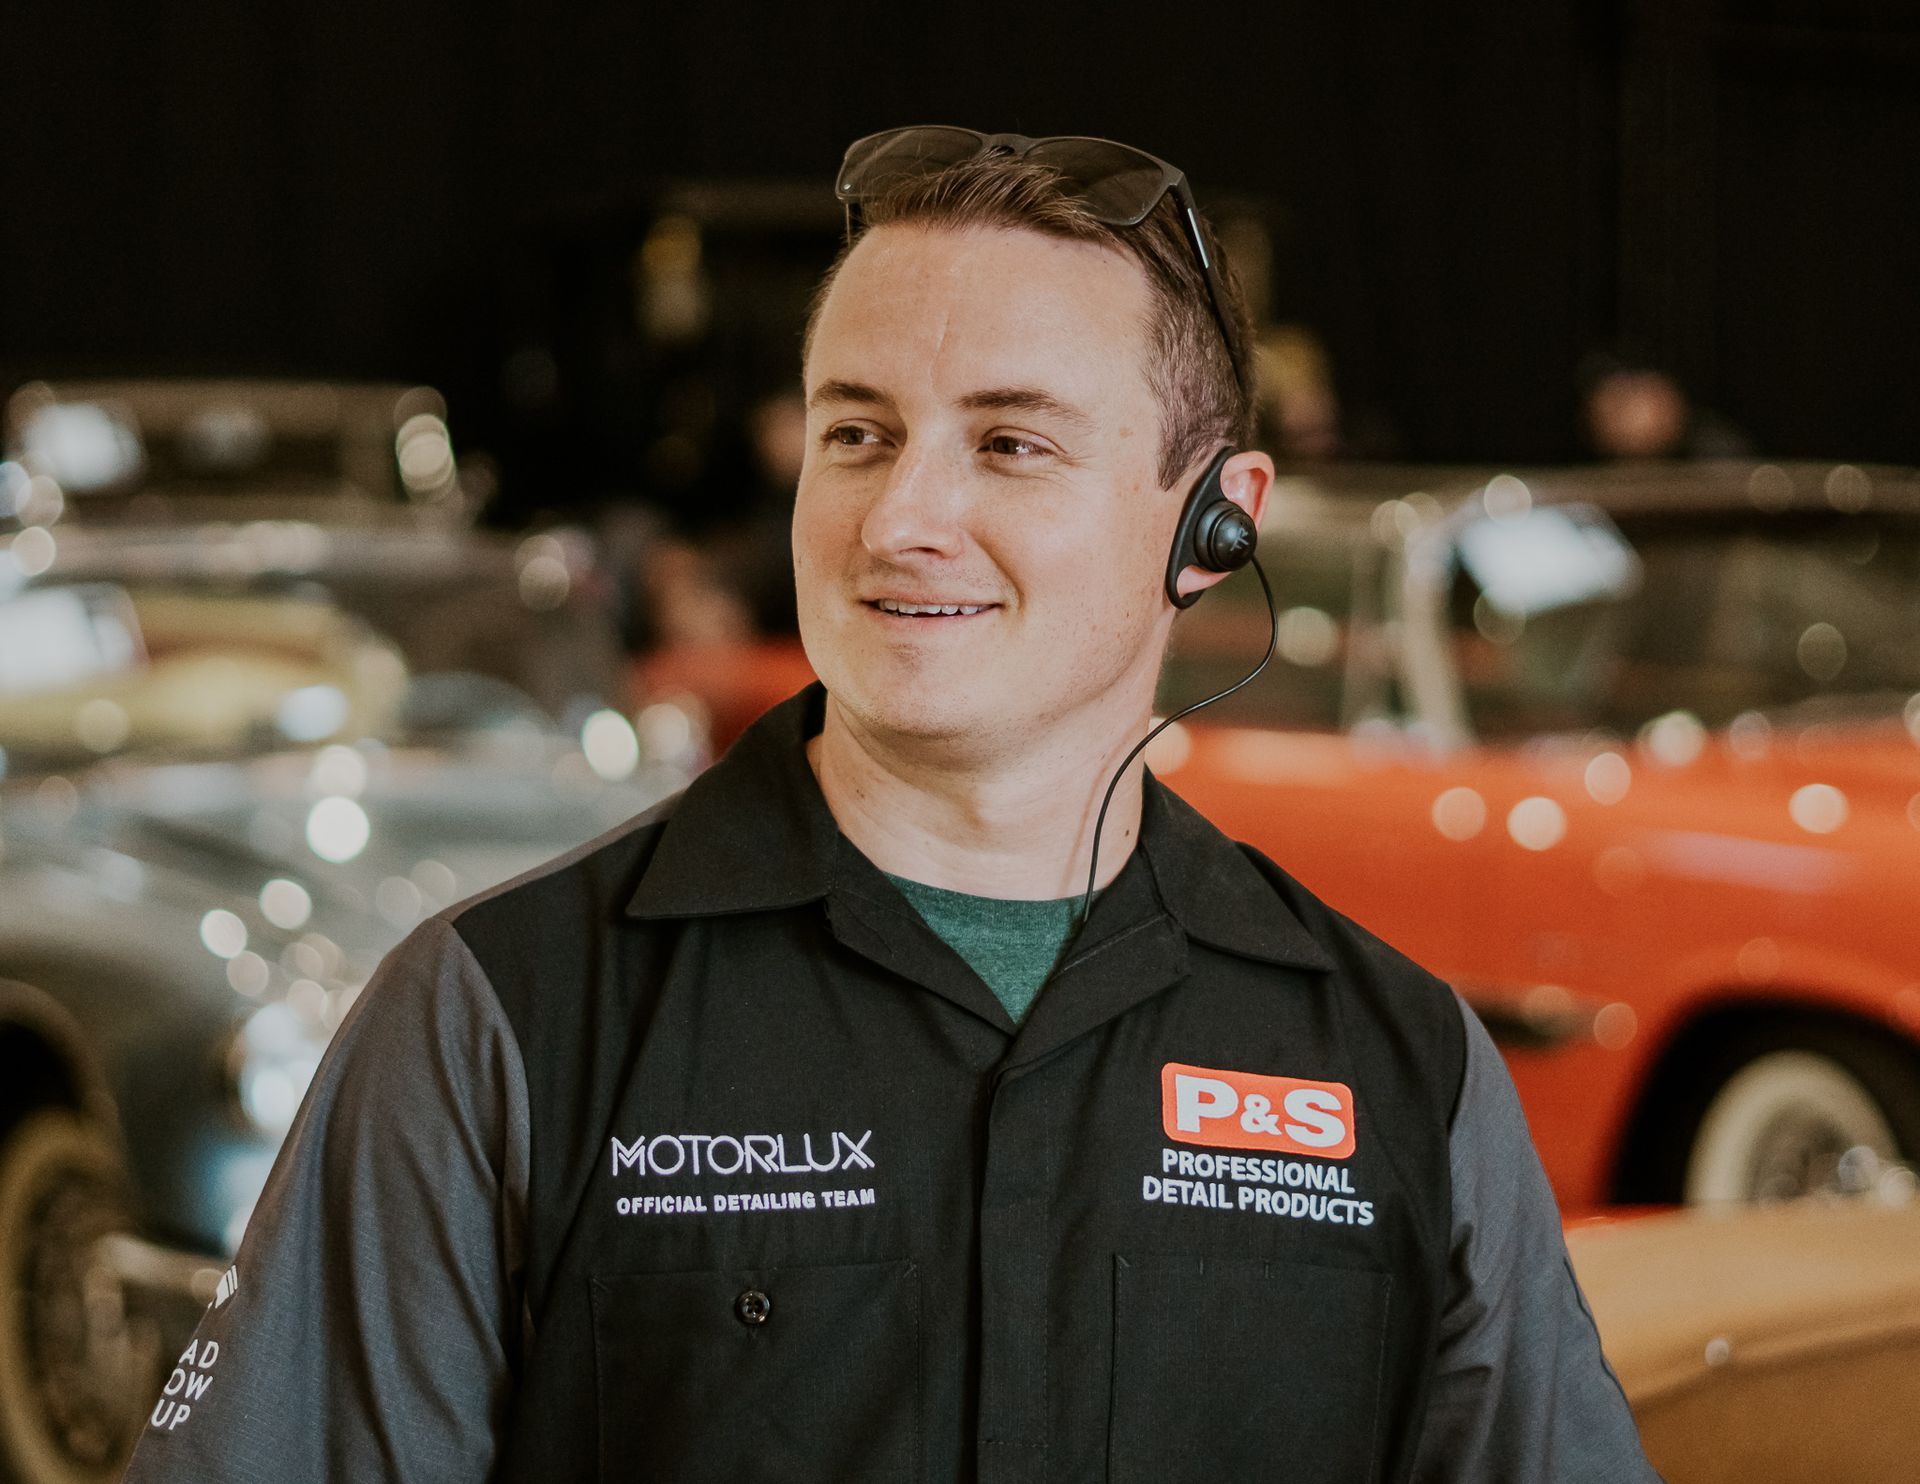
<point>1630,756</point>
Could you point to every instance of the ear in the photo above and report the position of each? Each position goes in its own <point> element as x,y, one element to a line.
<point>1244,479</point>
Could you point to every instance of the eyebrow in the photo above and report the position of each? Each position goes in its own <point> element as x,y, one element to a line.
<point>992,399</point>
<point>849,391</point>
<point>1026,399</point>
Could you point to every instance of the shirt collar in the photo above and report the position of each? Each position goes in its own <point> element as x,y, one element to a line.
<point>753,833</point>
<point>1212,888</point>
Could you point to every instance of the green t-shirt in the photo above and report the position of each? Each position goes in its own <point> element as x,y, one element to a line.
<point>1012,944</point>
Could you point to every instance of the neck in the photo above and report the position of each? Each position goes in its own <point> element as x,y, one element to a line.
<point>1019,826</point>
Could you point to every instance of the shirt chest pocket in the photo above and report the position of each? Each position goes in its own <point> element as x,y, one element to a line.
<point>757,1375</point>
<point>1244,1368</point>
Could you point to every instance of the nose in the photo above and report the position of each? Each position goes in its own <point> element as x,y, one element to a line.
<point>918,512</point>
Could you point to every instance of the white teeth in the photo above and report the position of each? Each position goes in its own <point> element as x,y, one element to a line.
<point>888,605</point>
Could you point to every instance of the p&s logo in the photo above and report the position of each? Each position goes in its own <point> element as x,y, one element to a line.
<point>1240,1110</point>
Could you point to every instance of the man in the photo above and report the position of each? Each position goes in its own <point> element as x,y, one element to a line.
<point>797,1131</point>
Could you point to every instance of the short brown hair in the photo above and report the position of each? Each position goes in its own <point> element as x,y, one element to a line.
<point>1188,364</point>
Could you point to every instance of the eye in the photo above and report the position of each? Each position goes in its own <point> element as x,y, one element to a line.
<point>1016,446</point>
<point>847,435</point>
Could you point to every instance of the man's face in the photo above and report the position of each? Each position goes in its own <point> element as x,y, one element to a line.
<point>982,438</point>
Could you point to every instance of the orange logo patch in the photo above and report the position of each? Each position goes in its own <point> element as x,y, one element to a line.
<point>1239,1110</point>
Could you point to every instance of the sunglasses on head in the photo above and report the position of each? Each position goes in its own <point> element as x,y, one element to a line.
<point>1117,184</point>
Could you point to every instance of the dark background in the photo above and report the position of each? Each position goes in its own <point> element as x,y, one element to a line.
<point>1464,200</point>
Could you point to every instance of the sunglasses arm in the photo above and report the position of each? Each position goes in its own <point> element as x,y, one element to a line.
<point>1190,221</point>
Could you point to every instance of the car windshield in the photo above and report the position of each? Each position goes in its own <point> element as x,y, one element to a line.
<point>256,460</point>
<point>116,440</point>
<point>1733,612</point>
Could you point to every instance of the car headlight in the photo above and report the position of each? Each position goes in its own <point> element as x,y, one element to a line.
<point>270,1062</point>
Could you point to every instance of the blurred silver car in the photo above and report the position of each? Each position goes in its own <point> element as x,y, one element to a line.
<point>182,489</point>
<point>531,611</point>
<point>218,809</point>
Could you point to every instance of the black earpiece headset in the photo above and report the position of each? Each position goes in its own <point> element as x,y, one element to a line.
<point>1215,535</point>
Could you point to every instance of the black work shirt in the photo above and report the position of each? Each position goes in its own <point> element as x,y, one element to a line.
<point>696,1155</point>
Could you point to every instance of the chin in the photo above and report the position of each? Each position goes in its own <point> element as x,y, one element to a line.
<point>924,709</point>
<point>919,710</point>
<point>888,695</point>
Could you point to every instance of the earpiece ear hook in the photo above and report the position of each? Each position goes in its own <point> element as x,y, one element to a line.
<point>1214,534</point>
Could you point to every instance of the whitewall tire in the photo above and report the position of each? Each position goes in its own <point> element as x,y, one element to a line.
<point>1781,1126</point>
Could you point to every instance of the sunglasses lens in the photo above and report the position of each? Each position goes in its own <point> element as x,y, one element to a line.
<point>876,162</point>
<point>1119,185</point>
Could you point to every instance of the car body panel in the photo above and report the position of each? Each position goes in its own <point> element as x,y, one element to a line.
<point>1780,1343</point>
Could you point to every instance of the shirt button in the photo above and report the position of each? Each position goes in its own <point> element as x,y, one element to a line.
<point>752,1307</point>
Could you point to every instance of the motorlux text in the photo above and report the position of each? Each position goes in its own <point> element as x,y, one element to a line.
<point>741,1154</point>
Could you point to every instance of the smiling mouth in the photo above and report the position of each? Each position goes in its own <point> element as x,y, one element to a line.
<point>929,610</point>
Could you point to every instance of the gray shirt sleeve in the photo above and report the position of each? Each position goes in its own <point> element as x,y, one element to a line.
<point>370,1326</point>
<point>1521,1391</point>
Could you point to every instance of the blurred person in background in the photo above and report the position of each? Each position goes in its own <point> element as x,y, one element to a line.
<point>1300,414</point>
<point>754,547</point>
<point>1632,410</point>
<point>810,1126</point>
<point>1299,409</point>
<point>672,598</point>
<point>721,620</point>
<point>695,589</point>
